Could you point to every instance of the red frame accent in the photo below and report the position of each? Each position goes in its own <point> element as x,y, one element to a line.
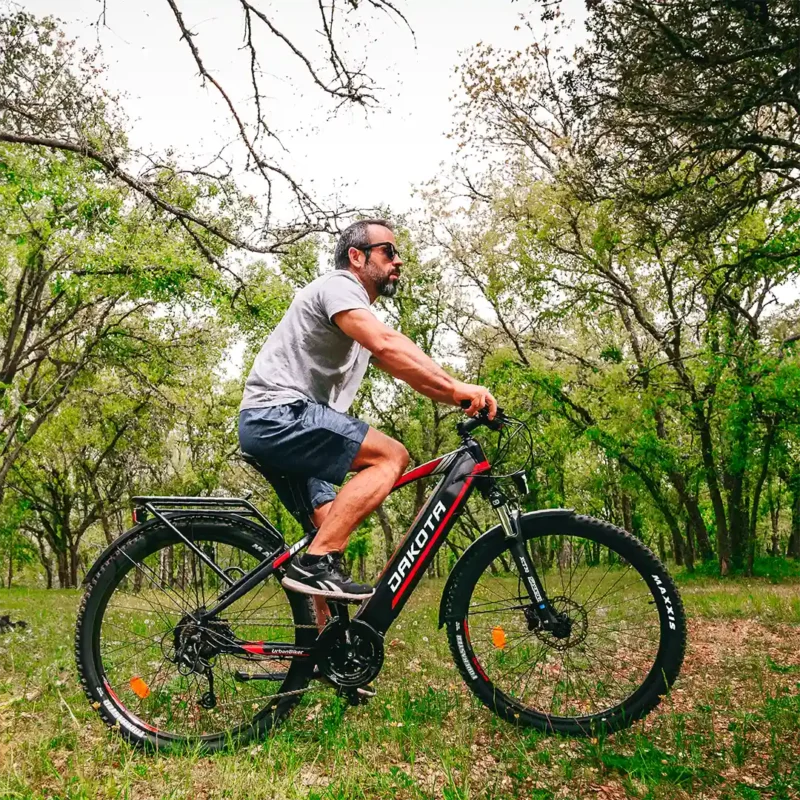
<point>280,559</point>
<point>418,472</point>
<point>482,467</point>
<point>258,649</point>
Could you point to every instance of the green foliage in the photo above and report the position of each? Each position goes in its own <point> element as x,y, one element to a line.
<point>650,327</point>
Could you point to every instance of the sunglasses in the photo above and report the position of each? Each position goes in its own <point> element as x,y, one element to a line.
<point>390,249</point>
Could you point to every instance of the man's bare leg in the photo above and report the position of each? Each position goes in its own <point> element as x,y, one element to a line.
<point>321,611</point>
<point>379,463</point>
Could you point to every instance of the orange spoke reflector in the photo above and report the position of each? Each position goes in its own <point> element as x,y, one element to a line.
<point>139,687</point>
<point>498,637</point>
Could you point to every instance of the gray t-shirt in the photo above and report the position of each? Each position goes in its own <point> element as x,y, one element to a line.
<point>307,357</point>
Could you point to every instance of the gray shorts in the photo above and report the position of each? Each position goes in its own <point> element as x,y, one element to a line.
<point>301,449</point>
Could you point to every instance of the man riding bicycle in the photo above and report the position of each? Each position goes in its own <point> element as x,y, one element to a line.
<point>293,422</point>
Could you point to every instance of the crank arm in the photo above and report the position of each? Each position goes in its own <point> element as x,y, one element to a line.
<point>259,676</point>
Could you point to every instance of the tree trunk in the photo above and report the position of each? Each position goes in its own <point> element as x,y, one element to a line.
<point>73,566</point>
<point>694,517</point>
<point>662,552</point>
<point>63,569</point>
<point>166,566</point>
<point>182,571</point>
<point>737,519</point>
<point>678,546</point>
<point>689,551</point>
<point>627,515</point>
<point>762,476</point>
<point>664,507</point>
<point>723,536</point>
<point>46,561</point>
<point>386,527</point>
<point>10,558</point>
<point>793,550</point>
<point>106,523</point>
<point>774,518</point>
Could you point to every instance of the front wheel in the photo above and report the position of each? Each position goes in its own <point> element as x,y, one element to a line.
<point>620,648</point>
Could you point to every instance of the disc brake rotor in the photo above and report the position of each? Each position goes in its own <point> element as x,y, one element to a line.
<point>572,627</point>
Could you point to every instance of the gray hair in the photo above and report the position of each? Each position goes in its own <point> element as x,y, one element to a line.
<point>355,235</point>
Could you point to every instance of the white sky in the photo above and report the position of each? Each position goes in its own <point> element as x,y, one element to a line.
<point>354,159</point>
<point>361,160</point>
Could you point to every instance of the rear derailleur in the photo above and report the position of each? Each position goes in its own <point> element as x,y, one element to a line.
<point>192,648</point>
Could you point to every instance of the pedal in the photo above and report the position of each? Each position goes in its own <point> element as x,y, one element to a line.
<point>358,696</point>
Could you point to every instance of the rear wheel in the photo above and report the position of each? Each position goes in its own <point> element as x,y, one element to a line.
<point>620,646</point>
<point>147,668</point>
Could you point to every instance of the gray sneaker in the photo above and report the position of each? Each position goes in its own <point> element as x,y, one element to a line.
<point>325,578</point>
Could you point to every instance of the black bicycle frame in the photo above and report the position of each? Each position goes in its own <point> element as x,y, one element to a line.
<point>459,470</point>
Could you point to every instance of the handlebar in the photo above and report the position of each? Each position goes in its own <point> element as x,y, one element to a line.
<point>509,428</point>
<point>481,419</point>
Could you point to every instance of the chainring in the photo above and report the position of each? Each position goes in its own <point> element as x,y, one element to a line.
<point>351,653</point>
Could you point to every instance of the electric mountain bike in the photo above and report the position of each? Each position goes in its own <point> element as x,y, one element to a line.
<point>555,621</point>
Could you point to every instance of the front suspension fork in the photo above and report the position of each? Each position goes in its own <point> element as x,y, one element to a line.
<point>512,528</point>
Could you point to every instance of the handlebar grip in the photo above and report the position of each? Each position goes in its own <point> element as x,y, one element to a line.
<point>483,413</point>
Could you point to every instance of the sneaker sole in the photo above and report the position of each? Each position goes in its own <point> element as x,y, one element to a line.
<point>303,588</point>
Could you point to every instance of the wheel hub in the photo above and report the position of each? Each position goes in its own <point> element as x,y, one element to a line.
<point>571,628</point>
<point>192,645</point>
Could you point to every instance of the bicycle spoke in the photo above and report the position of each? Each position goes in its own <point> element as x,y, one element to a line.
<point>143,665</point>
<point>612,620</point>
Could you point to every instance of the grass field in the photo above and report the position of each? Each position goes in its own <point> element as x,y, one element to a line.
<point>729,729</point>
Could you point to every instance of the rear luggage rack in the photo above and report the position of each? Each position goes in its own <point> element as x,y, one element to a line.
<point>146,506</point>
<point>161,507</point>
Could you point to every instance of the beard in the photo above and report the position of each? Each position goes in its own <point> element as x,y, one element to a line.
<point>384,285</point>
<point>387,288</point>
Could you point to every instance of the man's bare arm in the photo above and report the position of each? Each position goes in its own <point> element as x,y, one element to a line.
<point>400,357</point>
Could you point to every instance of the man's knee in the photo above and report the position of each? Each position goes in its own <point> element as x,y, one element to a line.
<point>378,448</point>
<point>401,457</point>
<point>321,512</point>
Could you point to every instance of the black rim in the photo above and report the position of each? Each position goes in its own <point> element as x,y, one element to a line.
<point>597,661</point>
<point>166,674</point>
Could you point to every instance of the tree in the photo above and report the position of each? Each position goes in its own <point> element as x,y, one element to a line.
<point>51,98</point>
<point>82,269</point>
<point>697,80</point>
<point>95,451</point>
<point>15,548</point>
<point>661,336</point>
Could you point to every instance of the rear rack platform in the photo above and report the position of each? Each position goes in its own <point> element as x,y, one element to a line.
<point>158,506</point>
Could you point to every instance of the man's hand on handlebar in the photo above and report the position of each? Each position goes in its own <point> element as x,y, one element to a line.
<point>473,399</point>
